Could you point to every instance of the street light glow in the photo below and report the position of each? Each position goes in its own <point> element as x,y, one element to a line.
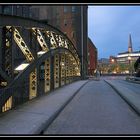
<point>129,57</point>
<point>112,60</point>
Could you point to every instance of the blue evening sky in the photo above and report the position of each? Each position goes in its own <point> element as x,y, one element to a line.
<point>109,28</point>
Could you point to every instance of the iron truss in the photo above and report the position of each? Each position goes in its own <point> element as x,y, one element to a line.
<point>34,62</point>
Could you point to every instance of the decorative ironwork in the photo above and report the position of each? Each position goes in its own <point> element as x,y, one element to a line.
<point>7,50</point>
<point>52,37</point>
<point>22,45</point>
<point>33,84</point>
<point>60,62</point>
<point>56,71</point>
<point>40,39</point>
<point>47,75</point>
<point>8,105</point>
<point>67,68</point>
<point>60,41</point>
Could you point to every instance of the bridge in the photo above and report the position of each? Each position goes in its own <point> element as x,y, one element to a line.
<point>35,58</point>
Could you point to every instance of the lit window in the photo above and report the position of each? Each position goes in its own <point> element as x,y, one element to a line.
<point>73,8</point>
<point>73,34</point>
<point>73,21</point>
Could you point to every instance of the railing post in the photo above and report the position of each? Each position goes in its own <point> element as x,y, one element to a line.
<point>60,68</point>
<point>52,72</point>
<point>65,68</point>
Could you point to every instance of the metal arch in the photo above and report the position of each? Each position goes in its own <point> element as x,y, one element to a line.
<point>29,23</point>
<point>60,44</point>
<point>22,45</point>
<point>63,42</point>
<point>36,62</point>
<point>57,40</point>
<point>52,32</point>
<point>40,39</point>
<point>4,75</point>
<point>28,70</point>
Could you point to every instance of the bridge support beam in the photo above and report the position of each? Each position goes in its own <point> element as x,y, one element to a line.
<point>52,73</point>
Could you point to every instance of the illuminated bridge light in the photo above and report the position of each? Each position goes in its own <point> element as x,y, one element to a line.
<point>21,67</point>
<point>41,53</point>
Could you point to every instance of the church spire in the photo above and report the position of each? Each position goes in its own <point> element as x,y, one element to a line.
<point>130,44</point>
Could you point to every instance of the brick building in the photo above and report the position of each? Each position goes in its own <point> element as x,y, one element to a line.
<point>71,20</point>
<point>92,57</point>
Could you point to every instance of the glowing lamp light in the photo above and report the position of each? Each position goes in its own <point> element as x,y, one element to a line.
<point>21,67</point>
<point>112,60</point>
<point>41,53</point>
<point>62,64</point>
<point>129,57</point>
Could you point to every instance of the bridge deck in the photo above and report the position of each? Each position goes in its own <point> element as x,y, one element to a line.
<point>33,116</point>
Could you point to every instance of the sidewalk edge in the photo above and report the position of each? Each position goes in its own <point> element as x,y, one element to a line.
<point>128,101</point>
<point>46,124</point>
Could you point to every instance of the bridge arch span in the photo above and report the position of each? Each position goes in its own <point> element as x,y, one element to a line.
<point>48,60</point>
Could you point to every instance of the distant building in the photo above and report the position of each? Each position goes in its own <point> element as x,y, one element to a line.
<point>103,65</point>
<point>92,57</point>
<point>130,55</point>
<point>126,57</point>
<point>72,21</point>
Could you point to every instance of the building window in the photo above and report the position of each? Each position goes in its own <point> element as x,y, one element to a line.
<point>65,22</point>
<point>73,9</point>
<point>25,11</point>
<point>72,21</point>
<point>65,9</point>
<point>57,22</point>
<point>7,10</point>
<point>73,34</point>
